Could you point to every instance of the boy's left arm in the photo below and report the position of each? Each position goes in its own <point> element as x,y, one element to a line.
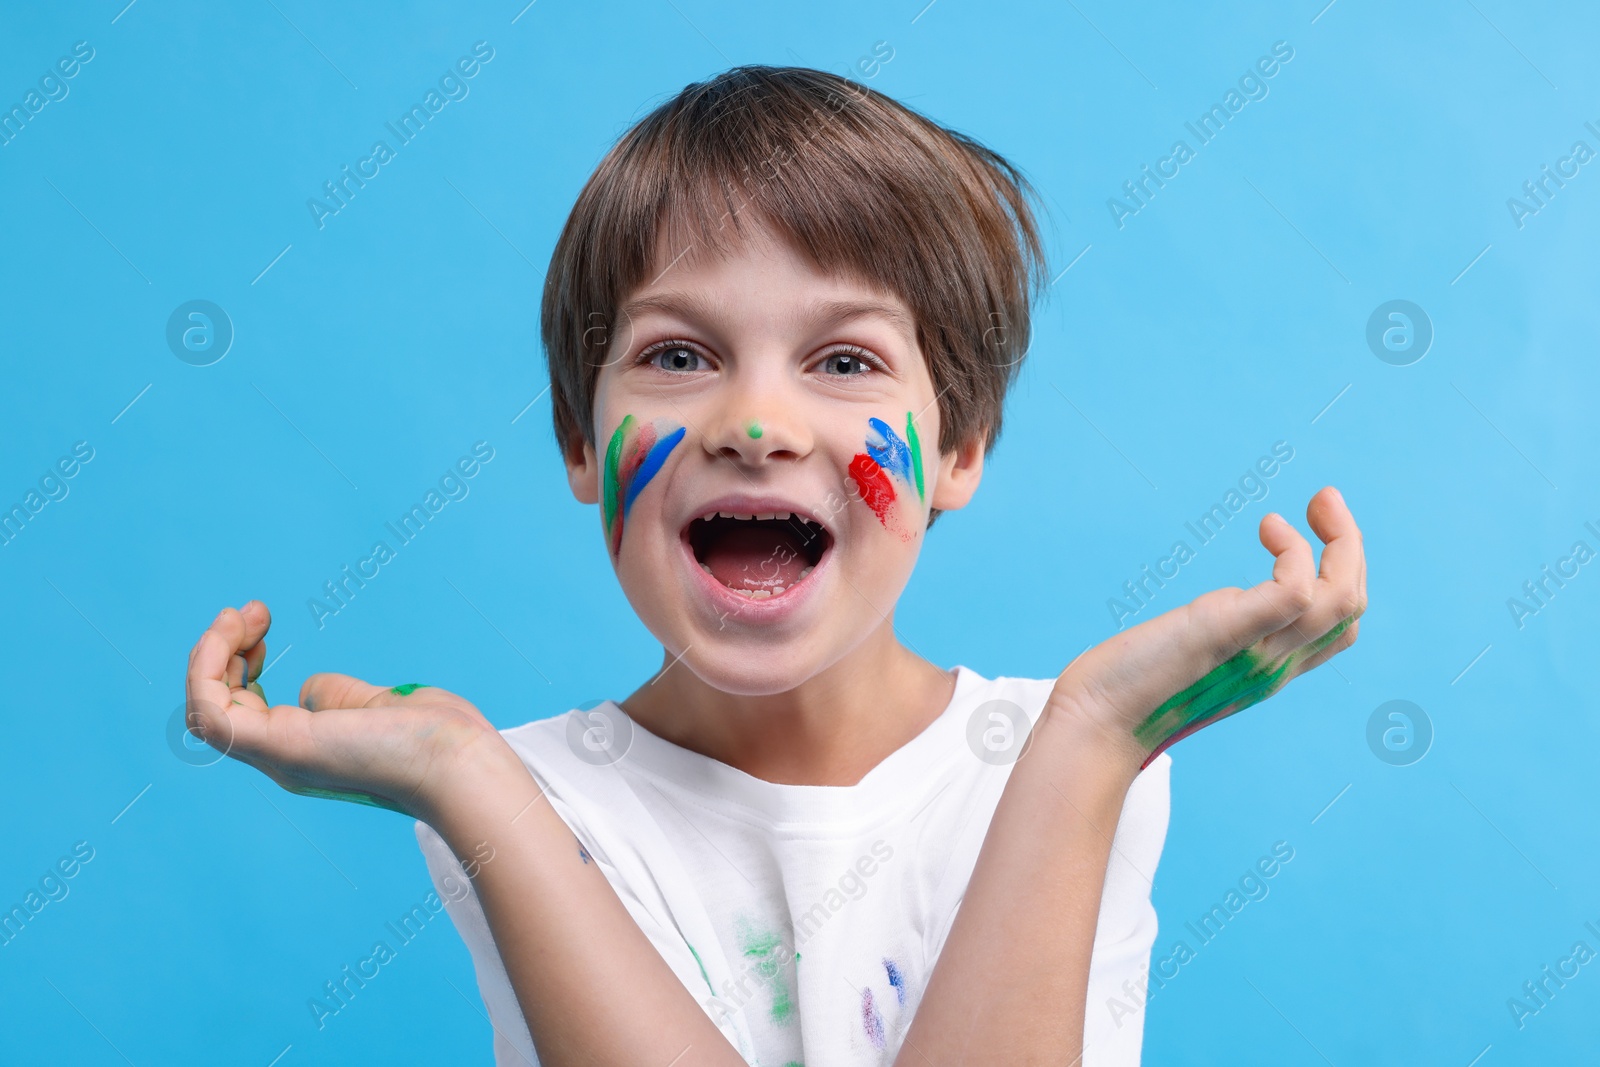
<point>1011,983</point>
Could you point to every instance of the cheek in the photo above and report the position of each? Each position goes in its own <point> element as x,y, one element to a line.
<point>636,453</point>
<point>888,476</point>
<point>871,483</point>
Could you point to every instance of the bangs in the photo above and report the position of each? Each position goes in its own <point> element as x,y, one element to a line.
<point>857,183</point>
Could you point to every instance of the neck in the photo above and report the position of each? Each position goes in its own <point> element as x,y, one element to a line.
<point>830,730</point>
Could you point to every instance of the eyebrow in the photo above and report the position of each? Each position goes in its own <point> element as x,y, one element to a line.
<point>688,305</point>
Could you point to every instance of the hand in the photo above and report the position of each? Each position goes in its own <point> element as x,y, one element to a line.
<point>394,748</point>
<point>1166,678</point>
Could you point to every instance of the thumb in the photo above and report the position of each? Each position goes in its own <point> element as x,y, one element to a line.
<point>329,690</point>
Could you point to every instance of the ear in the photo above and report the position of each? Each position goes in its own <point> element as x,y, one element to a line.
<point>959,474</point>
<point>583,470</point>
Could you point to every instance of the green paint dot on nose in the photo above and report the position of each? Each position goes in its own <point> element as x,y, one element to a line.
<point>754,429</point>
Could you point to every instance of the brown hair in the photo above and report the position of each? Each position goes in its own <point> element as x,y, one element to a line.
<point>858,182</point>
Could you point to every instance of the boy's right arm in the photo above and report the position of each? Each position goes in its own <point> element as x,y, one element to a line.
<point>592,988</point>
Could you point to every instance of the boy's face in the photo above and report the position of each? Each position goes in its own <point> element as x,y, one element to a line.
<point>768,456</point>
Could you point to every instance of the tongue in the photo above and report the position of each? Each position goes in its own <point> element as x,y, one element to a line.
<point>749,556</point>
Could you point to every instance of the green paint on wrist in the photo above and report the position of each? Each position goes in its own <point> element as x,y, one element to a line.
<point>408,688</point>
<point>1239,682</point>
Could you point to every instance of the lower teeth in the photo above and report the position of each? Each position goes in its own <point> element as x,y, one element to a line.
<point>761,594</point>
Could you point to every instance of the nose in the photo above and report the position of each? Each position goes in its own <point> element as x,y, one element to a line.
<point>758,422</point>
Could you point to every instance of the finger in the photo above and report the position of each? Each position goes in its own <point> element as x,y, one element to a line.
<point>1337,589</point>
<point>208,698</point>
<point>248,626</point>
<point>1363,582</point>
<point>258,620</point>
<point>1343,556</point>
<point>212,662</point>
<point>329,690</point>
<point>1269,607</point>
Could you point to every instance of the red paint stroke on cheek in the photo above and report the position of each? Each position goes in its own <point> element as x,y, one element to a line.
<point>877,492</point>
<point>634,452</point>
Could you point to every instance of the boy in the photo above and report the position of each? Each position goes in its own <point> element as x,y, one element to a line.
<point>781,321</point>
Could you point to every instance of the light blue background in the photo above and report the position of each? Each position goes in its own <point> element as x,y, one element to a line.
<point>1224,316</point>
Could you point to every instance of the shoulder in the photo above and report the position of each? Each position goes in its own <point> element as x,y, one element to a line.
<point>1150,787</point>
<point>1029,694</point>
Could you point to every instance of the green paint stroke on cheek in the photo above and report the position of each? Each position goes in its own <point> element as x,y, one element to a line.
<point>916,450</point>
<point>1244,679</point>
<point>635,456</point>
<point>610,498</point>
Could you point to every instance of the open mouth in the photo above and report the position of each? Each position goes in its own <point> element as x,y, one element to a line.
<point>757,556</point>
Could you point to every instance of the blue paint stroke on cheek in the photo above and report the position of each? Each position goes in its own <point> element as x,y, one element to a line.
<point>896,979</point>
<point>651,466</point>
<point>892,455</point>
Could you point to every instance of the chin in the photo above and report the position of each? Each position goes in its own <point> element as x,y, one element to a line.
<point>739,670</point>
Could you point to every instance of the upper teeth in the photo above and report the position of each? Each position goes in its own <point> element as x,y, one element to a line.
<point>751,515</point>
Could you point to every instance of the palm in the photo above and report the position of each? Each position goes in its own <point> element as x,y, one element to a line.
<point>347,739</point>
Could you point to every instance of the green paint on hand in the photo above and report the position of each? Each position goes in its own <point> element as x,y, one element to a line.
<point>352,796</point>
<point>754,430</point>
<point>408,688</point>
<point>1239,682</point>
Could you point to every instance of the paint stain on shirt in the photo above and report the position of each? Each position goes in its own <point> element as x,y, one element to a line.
<point>897,979</point>
<point>704,977</point>
<point>871,1020</point>
<point>761,947</point>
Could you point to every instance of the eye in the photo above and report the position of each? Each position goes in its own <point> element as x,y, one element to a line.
<point>849,362</point>
<point>674,357</point>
